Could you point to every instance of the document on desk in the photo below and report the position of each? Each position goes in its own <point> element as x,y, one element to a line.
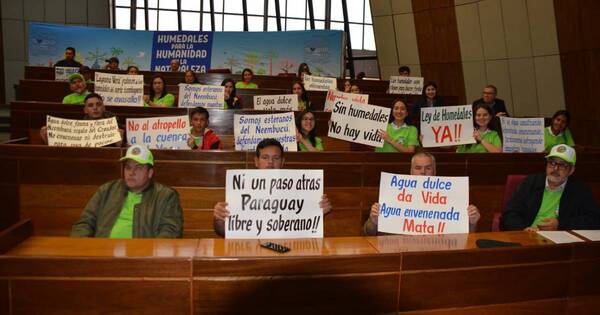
<point>592,235</point>
<point>560,237</point>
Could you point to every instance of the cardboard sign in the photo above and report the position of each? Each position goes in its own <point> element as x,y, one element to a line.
<point>63,73</point>
<point>522,134</point>
<point>423,204</point>
<point>196,95</point>
<point>159,132</point>
<point>406,85</point>
<point>446,126</point>
<point>334,96</point>
<point>82,133</point>
<point>249,130</point>
<point>274,204</point>
<point>312,83</point>
<point>276,102</point>
<point>358,123</point>
<point>120,89</point>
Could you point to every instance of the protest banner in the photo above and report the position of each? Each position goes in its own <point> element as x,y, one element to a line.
<point>334,95</point>
<point>406,85</point>
<point>276,102</point>
<point>63,73</point>
<point>249,130</point>
<point>448,125</point>
<point>120,89</point>
<point>274,203</point>
<point>523,135</point>
<point>82,133</point>
<point>159,132</point>
<point>358,123</point>
<point>196,95</point>
<point>313,83</point>
<point>418,205</point>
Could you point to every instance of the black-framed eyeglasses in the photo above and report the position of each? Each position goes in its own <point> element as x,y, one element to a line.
<point>555,164</point>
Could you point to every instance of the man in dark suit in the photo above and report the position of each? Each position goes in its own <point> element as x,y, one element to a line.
<point>489,98</point>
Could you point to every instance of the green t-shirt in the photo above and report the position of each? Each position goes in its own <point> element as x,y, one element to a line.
<point>490,136</point>
<point>123,227</point>
<point>75,98</point>
<point>551,140</point>
<point>303,105</point>
<point>197,139</point>
<point>549,207</point>
<point>318,145</point>
<point>242,85</point>
<point>405,135</point>
<point>168,100</point>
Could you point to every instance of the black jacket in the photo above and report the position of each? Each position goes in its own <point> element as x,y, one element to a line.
<point>438,101</point>
<point>577,209</point>
<point>499,106</point>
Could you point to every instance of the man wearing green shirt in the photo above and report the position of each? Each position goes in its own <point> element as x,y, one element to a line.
<point>78,87</point>
<point>134,206</point>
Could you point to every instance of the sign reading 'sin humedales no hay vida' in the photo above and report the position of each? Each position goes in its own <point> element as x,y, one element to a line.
<point>313,83</point>
<point>249,130</point>
<point>120,89</point>
<point>274,204</point>
<point>446,126</point>
<point>522,134</point>
<point>159,132</point>
<point>196,95</point>
<point>82,133</point>
<point>334,96</point>
<point>276,102</point>
<point>423,204</point>
<point>63,73</point>
<point>406,85</point>
<point>358,123</point>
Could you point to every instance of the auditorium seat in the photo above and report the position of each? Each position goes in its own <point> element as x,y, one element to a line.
<point>512,181</point>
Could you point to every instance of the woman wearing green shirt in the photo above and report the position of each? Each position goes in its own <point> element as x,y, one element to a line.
<point>246,82</point>
<point>158,94</point>
<point>190,78</point>
<point>558,132</point>
<point>306,133</point>
<point>303,102</point>
<point>398,136</point>
<point>487,139</point>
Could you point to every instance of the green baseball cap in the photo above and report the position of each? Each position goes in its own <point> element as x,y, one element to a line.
<point>140,154</point>
<point>75,76</point>
<point>563,152</point>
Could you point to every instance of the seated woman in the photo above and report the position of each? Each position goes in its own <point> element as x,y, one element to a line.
<point>558,132</point>
<point>201,137</point>
<point>190,78</point>
<point>306,133</point>
<point>158,96</point>
<point>79,88</point>
<point>399,137</point>
<point>303,102</point>
<point>231,101</point>
<point>487,139</point>
<point>429,98</point>
<point>302,70</point>
<point>347,86</point>
<point>246,82</point>
<point>355,89</point>
<point>133,70</point>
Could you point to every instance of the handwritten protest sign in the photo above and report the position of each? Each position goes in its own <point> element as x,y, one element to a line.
<point>313,83</point>
<point>276,102</point>
<point>358,123</point>
<point>274,203</point>
<point>423,204</point>
<point>334,95</point>
<point>196,95</point>
<point>120,89</point>
<point>406,85</point>
<point>82,133</point>
<point>522,134</point>
<point>249,130</point>
<point>63,73</point>
<point>448,125</point>
<point>159,132</point>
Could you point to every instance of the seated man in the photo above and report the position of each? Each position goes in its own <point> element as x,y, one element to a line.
<point>134,206</point>
<point>174,64</point>
<point>269,155</point>
<point>69,60</point>
<point>78,87</point>
<point>423,164</point>
<point>201,137</point>
<point>554,200</point>
<point>489,98</point>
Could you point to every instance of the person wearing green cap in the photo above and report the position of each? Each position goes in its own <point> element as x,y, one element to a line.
<point>79,89</point>
<point>134,206</point>
<point>554,200</point>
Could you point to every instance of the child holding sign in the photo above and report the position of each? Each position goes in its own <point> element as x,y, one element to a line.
<point>201,137</point>
<point>303,102</point>
<point>158,94</point>
<point>306,133</point>
<point>487,139</point>
<point>399,137</point>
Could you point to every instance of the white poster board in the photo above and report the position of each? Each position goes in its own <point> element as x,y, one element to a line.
<point>120,89</point>
<point>196,95</point>
<point>419,205</point>
<point>82,133</point>
<point>358,123</point>
<point>313,83</point>
<point>406,85</point>
<point>274,204</point>
<point>276,102</point>
<point>249,130</point>
<point>523,135</point>
<point>159,132</point>
<point>446,126</point>
<point>63,73</point>
<point>334,96</point>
